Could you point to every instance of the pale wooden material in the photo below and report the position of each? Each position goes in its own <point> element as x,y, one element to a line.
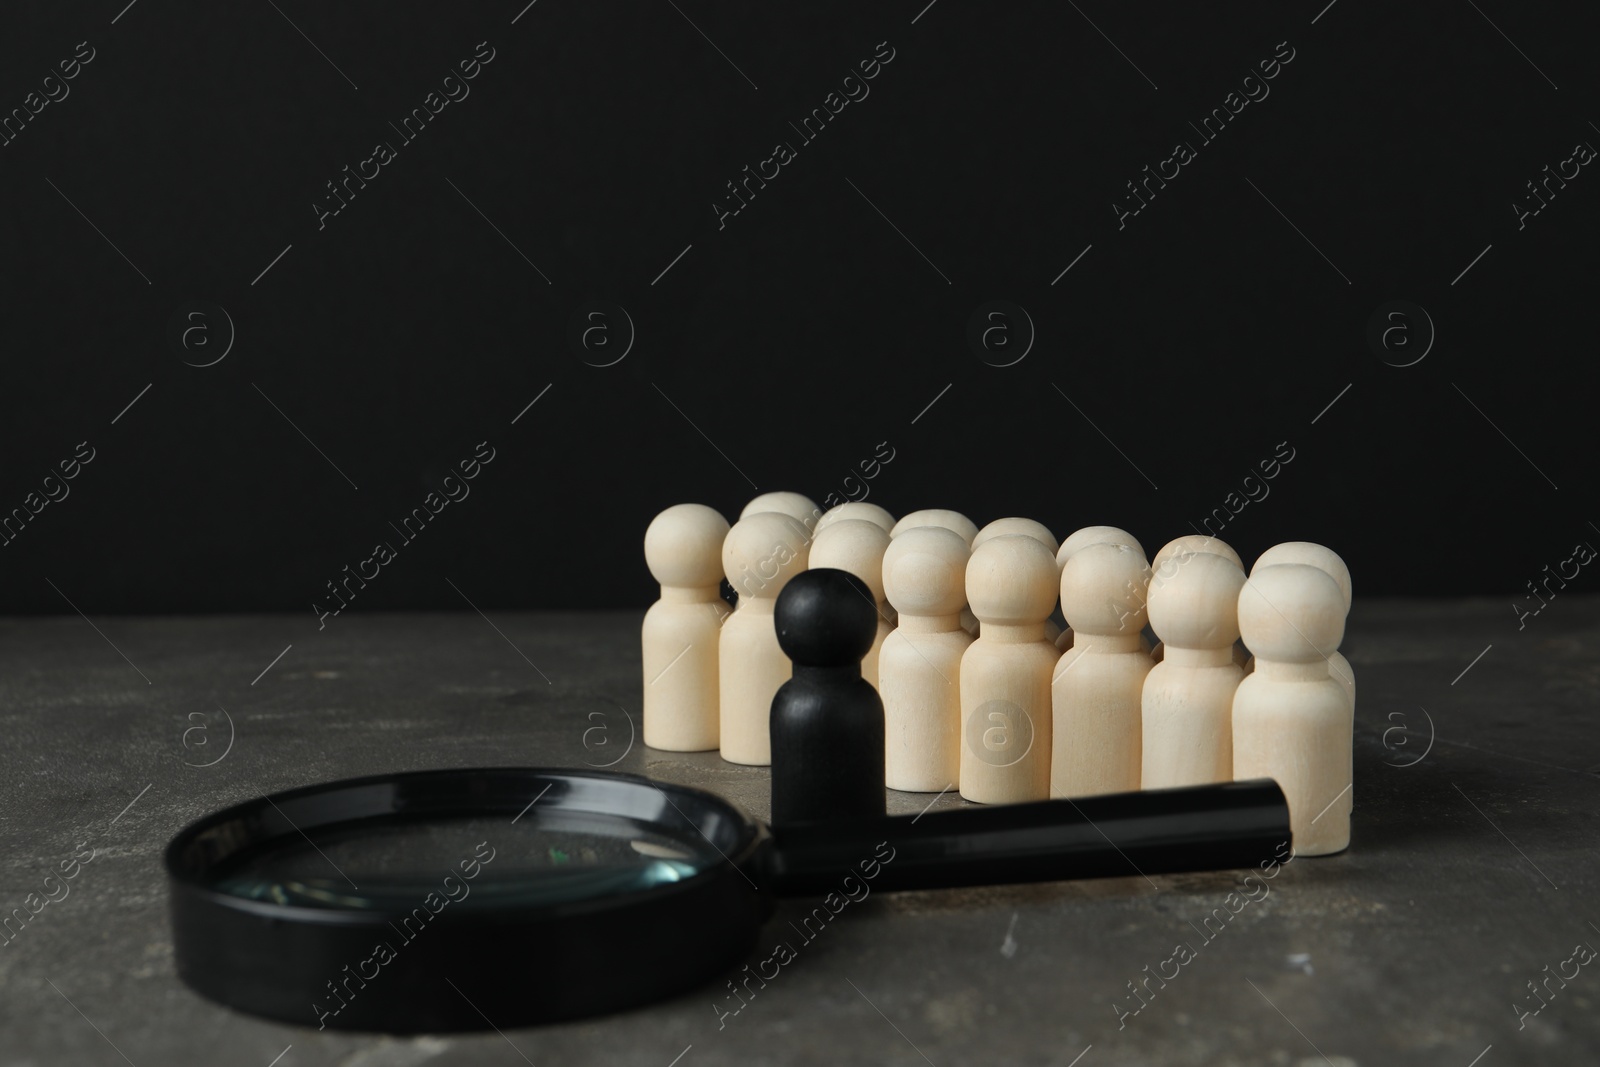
<point>956,523</point>
<point>855,509</point>
<point>919,669</point>
<point>1095,535</point>
<point>943,517</point>
<point>1005,673</point>
<point>1092,535</point>
<point>859,509</point>
<point>795,505</point>
<point>1239,654</point>
<point>857,546</point>
<point>759,556</point>
<point>1017,525</point>
<point>1027,528</point>
<point>682,630</point>
<point>1187,704</point>
<point>1195,543</point>
<point>1291,721</point>
<point>1326,560</point>
<point>1098,685</point>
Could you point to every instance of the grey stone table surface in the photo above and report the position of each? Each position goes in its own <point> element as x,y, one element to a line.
<point>1471,879</point>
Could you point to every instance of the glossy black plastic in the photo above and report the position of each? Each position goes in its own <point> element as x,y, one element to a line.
<point>508,963</point>
<point>470,969</point>
<point>1195,828</point>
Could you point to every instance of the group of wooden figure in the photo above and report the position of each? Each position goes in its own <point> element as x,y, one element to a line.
<point>982,691</point>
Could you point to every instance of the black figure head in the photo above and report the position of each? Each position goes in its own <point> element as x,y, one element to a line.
<point>826,618</point>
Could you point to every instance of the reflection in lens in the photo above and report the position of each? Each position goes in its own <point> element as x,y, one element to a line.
<point>546,858</point>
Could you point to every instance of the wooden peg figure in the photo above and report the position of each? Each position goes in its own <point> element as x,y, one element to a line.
<point>1005,672</point>
<point>1328,561</point>
<point>859,509</point>
<point>797,506</point>
<point>1163,564</point>
<point>855,509</point>
<point>856,546</point>
<point>1291,720</point>
<point>682,630</point>
<point>1027,528</point>
<point>1017,525</point>
<point>1187,704</point>
<point>1095,535</point>
<point>919,668</point>
<point>1092,535</point>
<point>1099,682</point>
<point>827,722</point>
<point>759,556</point>
<point>953,521</point>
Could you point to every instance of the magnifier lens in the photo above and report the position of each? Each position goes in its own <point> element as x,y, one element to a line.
<point>550,856</point>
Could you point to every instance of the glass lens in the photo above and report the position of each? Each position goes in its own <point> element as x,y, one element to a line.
<point>547,856</point>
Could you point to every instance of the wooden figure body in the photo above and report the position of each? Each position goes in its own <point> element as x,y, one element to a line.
<point>1291,721</point>
<point>919,668</point>
<point>1005,673</point>
<point>1092,535</point>
<point>1187,704</point>
<point>759,556</point>
<point>682,630</point>
<point>1328,561</point>
<point>1099,682</point>
<point>857,546</point>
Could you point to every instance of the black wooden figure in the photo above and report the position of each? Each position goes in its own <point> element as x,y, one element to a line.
<point>827,721</point>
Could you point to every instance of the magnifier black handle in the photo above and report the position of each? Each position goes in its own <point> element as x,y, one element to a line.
<point>1195,828</point>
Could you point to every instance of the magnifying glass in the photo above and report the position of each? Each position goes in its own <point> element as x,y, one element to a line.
<point>452,900</point>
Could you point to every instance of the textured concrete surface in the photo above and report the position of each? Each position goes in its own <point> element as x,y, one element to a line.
<point>1472,871</point>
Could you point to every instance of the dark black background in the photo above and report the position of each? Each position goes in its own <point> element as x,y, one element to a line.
<point>808,329</point>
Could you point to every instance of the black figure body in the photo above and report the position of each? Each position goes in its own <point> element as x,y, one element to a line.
<point>827,721</point>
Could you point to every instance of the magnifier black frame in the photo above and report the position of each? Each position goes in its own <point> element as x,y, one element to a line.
<point>470,968</point>
<point>514,963</point>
